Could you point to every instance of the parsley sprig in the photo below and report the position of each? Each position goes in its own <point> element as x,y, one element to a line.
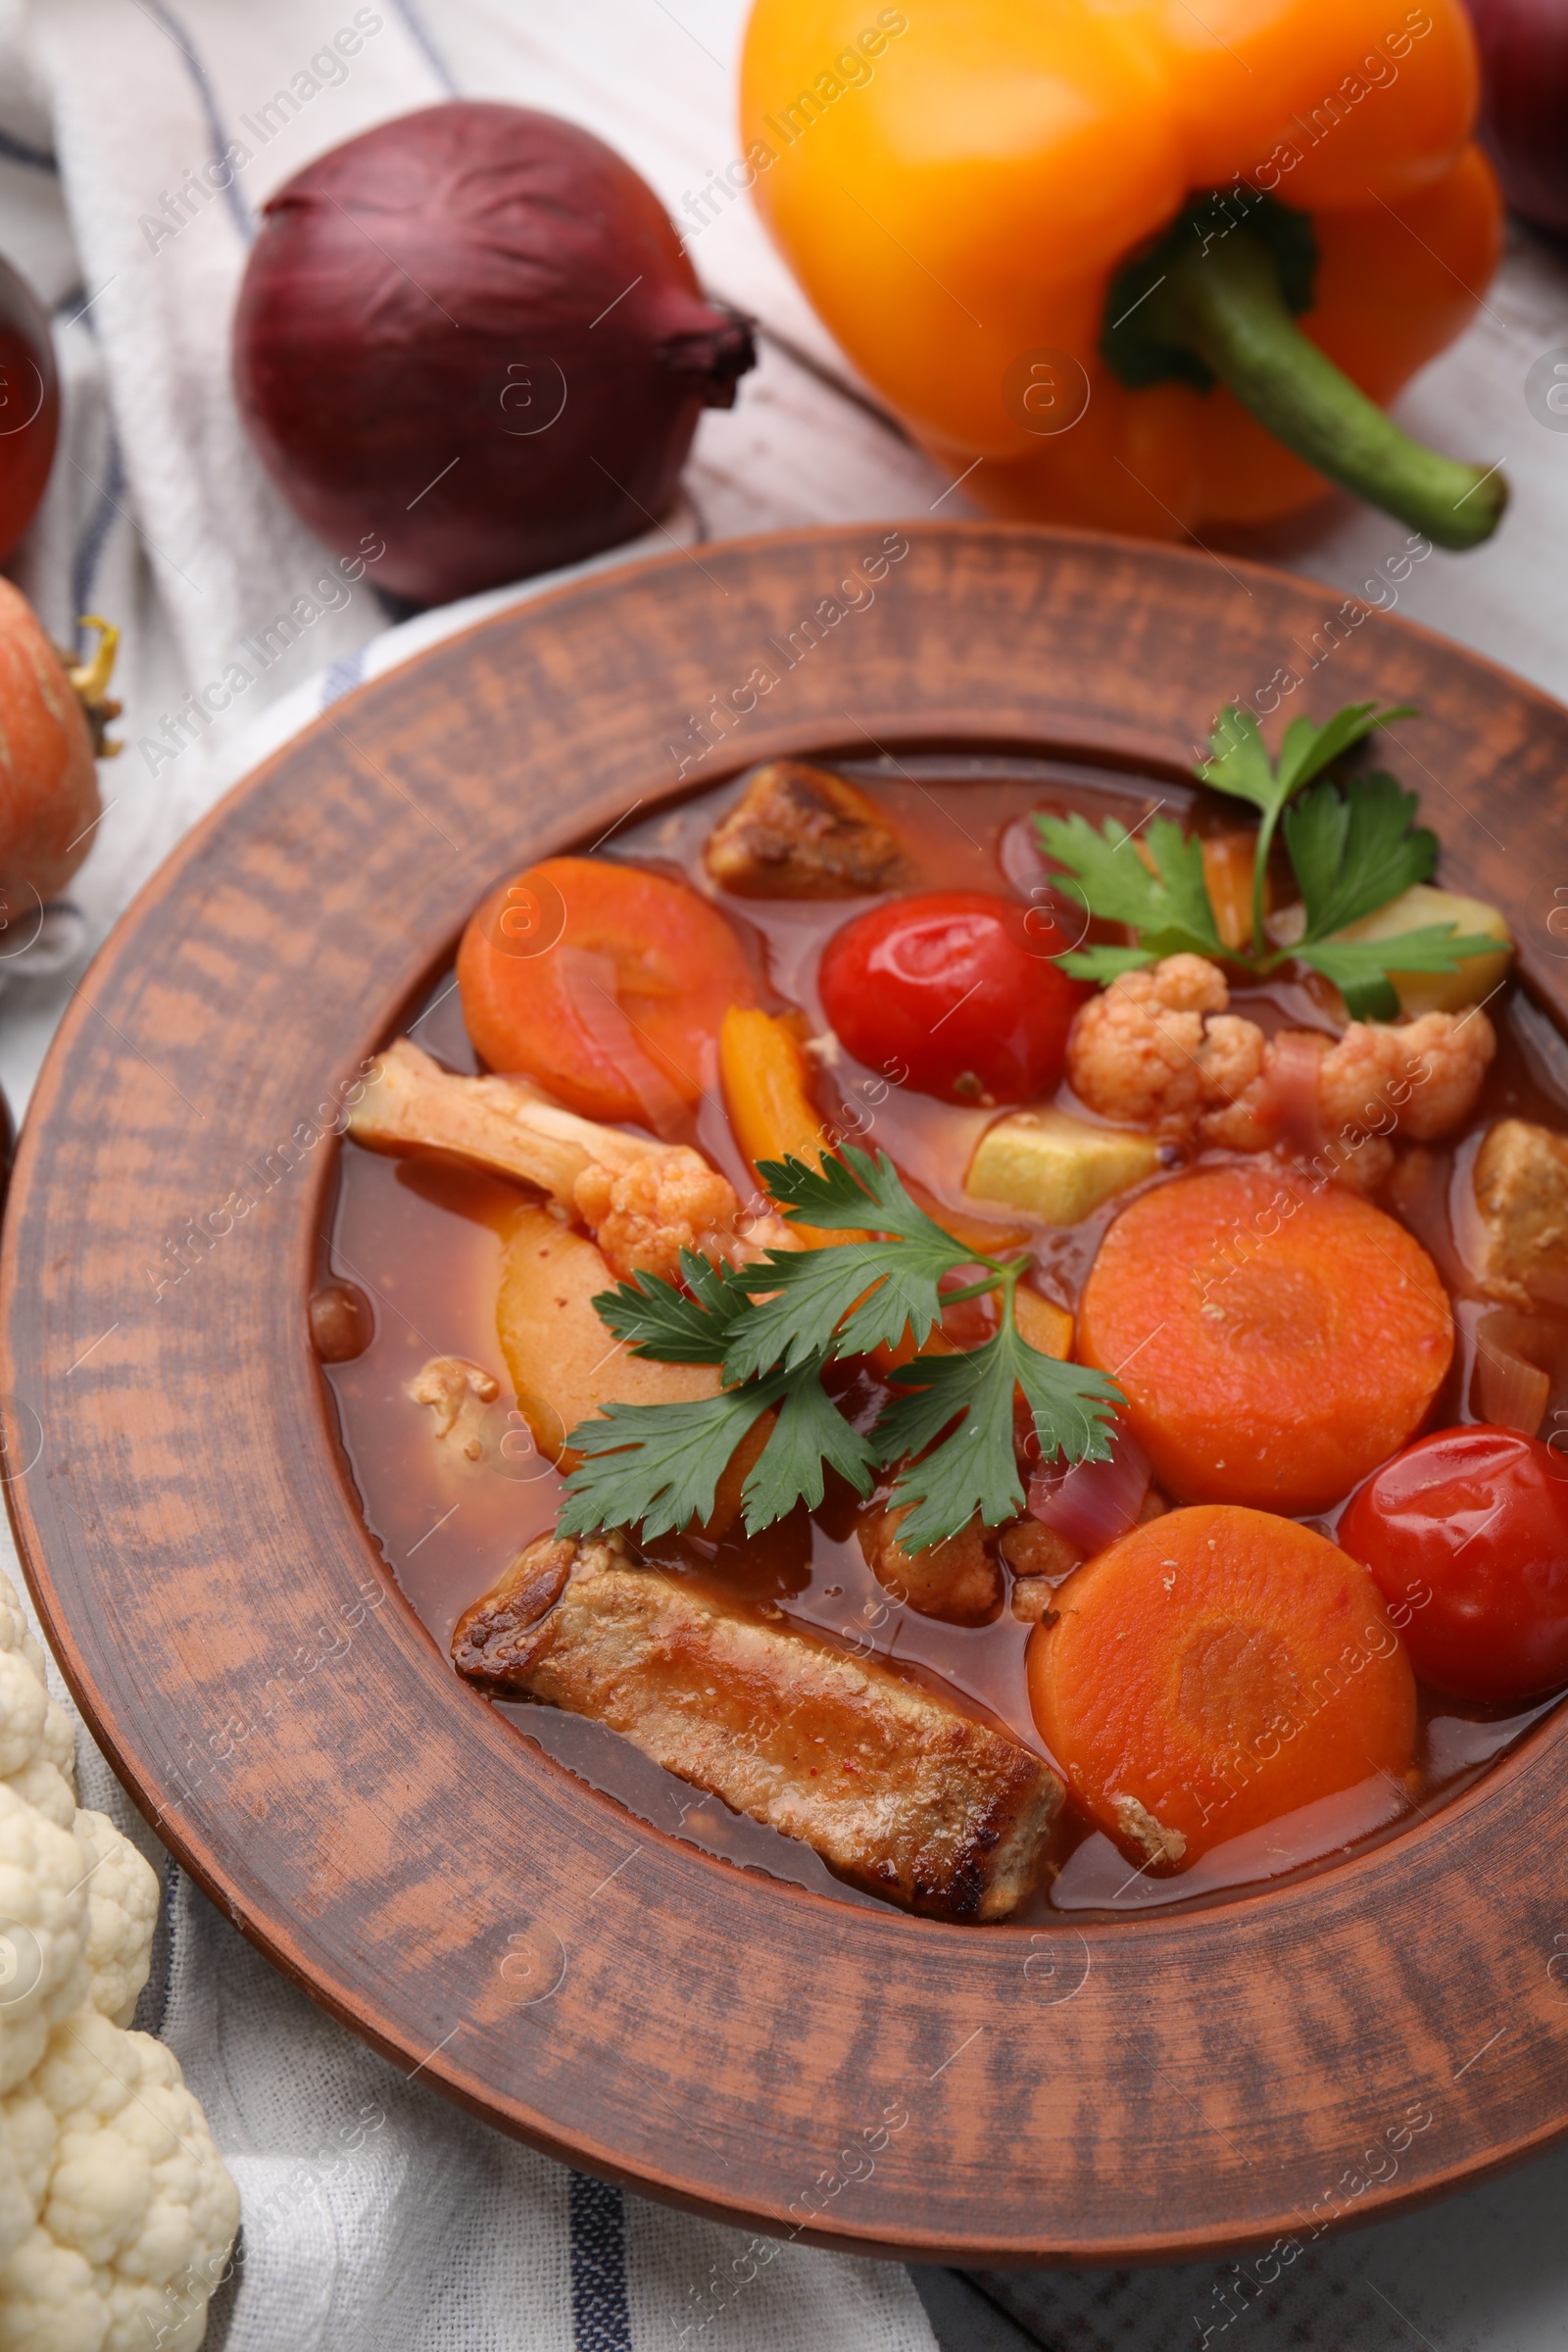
<point>775,1328</point>
<point>1352,846</point>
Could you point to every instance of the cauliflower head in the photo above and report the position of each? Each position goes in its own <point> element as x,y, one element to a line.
<point>116,2212</point>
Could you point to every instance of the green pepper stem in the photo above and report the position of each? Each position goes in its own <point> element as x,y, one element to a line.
<point>1224,302</point>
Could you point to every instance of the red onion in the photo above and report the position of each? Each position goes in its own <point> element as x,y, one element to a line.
<point>1093,1504</point>
<point>1524,103</point>
<point>1524,110</point>
<point>30,405</point>
<point>473,332</point>
<point>1292,1087</point>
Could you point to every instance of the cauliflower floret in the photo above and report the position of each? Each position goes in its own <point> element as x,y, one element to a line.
<point>37,1743</point>
<point>1135,1052</point>
<point>138,2206</point>
<point>1426,1074</point>
<point>644,1215</point>
<point>43,1934</point>
<point>1234,1074</point>
<point>122,1913</point>
<point>116,2211</point>
<point>1159,1050</point>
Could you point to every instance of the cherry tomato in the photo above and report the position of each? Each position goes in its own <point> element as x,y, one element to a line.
<point>960,987</point>
<point>1466,1533</point>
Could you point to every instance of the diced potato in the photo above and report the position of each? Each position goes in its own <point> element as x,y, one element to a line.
<point>1416,909</point>
<point>1054,1167</point>
<point>565,1366</point>
<point>1521,1190</point>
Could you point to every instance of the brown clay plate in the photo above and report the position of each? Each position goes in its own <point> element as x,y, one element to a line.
<point>1165,2085</point>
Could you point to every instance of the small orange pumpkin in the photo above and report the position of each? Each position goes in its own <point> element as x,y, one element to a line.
<point>49,718</point>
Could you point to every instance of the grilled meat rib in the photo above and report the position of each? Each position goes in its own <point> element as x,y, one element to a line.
<point>894,1786</point>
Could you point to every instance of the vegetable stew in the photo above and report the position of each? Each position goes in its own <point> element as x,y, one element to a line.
<point>906,1451</point>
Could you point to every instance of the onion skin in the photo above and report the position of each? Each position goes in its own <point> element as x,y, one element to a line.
<point>30,405</point>
<point>1524,113</point>
<point>48,778</point>
<point>415,305</point>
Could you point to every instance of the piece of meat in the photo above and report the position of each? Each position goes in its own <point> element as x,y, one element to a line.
<point>957,1580</point>
<point>1521,1194</point>
<point>645,1202</point>
<point>1031,1549</point>
<point>459,1394</point>
<point>893,1785</point>
<point>1034,1599</point>
<point>1140,1828</point>
<point>800,832</point>
<point>497,1639</point>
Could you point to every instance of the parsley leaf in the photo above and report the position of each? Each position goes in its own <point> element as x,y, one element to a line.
<point>834,1196</point>
<point>813,1291</point>
<point>1170,908</point>
<point>1354,851</point>
<point>777,1326</point>
<point>1240,766</point>
<point>975,1469</point>
<point>655,1318</point>
<point>1360,968</point>
<point>1103,963</point>
<point>810,1432</point>
<point>657,1465</point>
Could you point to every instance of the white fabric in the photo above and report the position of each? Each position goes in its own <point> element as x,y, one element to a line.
<point>376,2215</point>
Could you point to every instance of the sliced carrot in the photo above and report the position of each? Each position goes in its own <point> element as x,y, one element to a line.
<point>765,1088</point>
<point>606,983</point>
<point>1228,862</point>
<point>767,1094</point>
<point>1213,1670</point>
<point>1274,1340</point>
<point>1043,1323</point>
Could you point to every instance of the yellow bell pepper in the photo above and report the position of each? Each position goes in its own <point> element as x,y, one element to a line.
<point>767,1095</point>
<point>1132,263</point>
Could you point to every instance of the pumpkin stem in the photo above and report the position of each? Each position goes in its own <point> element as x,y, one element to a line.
<point>90,682</point>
